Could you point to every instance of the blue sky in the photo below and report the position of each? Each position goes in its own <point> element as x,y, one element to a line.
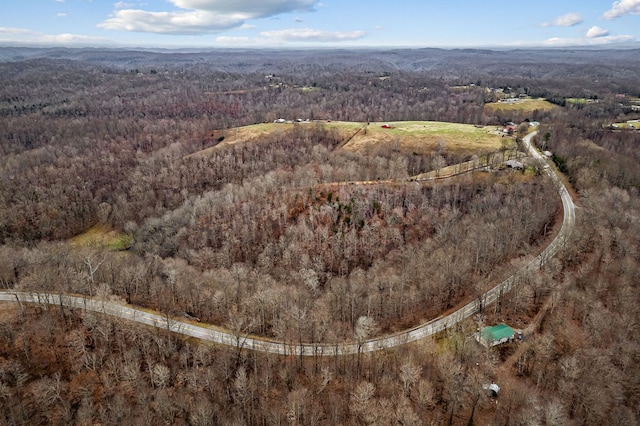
<point>324,23</point>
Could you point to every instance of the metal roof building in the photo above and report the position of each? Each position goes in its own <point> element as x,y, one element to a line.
<point>491,336</point>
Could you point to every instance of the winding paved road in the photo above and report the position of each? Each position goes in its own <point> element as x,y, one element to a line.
<point>308,349</point>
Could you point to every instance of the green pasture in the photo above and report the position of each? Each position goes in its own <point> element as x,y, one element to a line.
<point>522,105</point>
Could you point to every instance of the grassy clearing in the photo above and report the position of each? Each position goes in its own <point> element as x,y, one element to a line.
<point>420,137</point>
<point>423,137</point>
<point>581,101</point>
<point>102,236</point>
<point>242,134</point>
<point>255,132</point>
<point>628,125</point>
<point>523,105</point>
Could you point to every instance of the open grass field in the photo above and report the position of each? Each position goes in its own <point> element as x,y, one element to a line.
<point>102,236</point>
<point>524,105</point>
<point>634,124</point>
<point>253,132</point>
<point>420,137</point>
<point>580,101</point>
<point>423,137</point>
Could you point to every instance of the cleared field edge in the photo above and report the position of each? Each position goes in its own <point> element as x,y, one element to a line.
<point>426,137</point>
<point>103,236</point>
<point>413,135</point>
<point>526,104</point>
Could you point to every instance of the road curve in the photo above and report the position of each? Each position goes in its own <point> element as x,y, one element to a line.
<point>320,349</point>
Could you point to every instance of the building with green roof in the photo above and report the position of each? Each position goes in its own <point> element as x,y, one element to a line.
<point>491,336</point>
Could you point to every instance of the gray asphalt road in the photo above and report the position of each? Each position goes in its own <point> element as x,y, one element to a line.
<point>288,348</point>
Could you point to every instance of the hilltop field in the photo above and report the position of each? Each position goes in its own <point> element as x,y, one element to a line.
<point>526,105</point>
<point>418,137</point>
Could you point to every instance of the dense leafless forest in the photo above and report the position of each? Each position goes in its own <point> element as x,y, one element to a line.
<point>267,237</point>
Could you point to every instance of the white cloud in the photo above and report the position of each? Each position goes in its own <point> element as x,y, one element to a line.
<point>568,20</point>
<point>283,37</point>
<point>123,5</point>
<point>254,8</point>
<point>308,34</point>
<point>12,30</point>
<point>621,8</point>
<point>201,16</point>
<point>228,40</point>
<point>298,20</point>
<point>68,39</point>
<point>25,36</point>
<point>61,15</point>
<point>595,41</point>
<point>595,36</point>
<point>195,22</point>
<point>596,31</point>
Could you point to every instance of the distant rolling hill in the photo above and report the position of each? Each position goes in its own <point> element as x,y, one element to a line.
<point>454,63</point>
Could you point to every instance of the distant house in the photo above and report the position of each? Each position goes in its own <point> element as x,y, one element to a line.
<point>514,164</point>
<point>509,129</point>
<point>496,335</point>
<point>492,388</point>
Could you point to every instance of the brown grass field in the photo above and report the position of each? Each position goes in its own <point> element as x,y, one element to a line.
<point>632,124</point>
<point>420,137</point>
<point>423,137</point>
<point>102,236</point>
<point>522,105</point>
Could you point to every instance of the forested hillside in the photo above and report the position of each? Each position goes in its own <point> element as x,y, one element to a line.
<point>109,188</point>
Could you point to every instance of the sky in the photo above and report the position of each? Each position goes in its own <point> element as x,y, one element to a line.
<point>320,23</point>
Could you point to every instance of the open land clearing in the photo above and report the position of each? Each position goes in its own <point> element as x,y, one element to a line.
<point>423,137</point>
<point>102,236</point>
<point>581,101</point>
<point>631,124</point>
<point>418,137</point>
<point>238,135</point>
<point>522,105</point>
